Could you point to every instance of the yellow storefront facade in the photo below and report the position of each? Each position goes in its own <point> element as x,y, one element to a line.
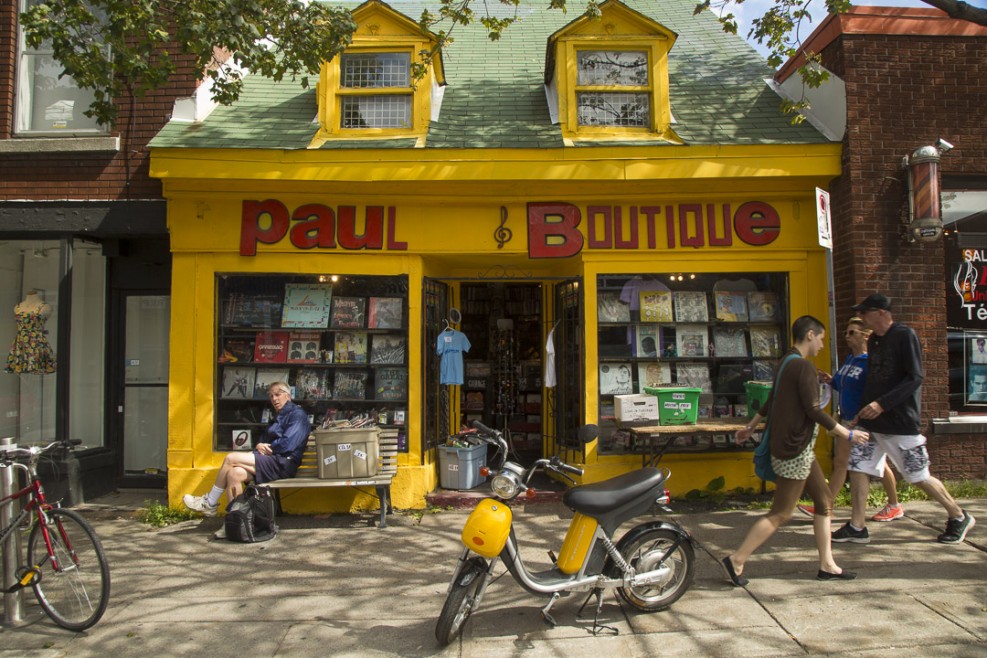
<point>526,244</point>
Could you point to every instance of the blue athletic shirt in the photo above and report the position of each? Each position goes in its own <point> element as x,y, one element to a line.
<point>849,382</point>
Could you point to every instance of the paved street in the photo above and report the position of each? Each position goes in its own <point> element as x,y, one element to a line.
<point>339,586</point>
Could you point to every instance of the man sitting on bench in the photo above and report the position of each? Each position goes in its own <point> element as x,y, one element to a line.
<point>276,457</point>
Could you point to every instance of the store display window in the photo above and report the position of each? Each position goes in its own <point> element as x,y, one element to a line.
<point>712,332</point>
<point>340,342</point>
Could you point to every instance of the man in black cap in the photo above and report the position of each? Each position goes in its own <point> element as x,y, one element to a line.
<point>891,411</point>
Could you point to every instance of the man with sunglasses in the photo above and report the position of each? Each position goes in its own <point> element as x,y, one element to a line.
<point>891,413</point>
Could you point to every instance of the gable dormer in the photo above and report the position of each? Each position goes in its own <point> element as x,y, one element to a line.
<point>607,77</point>
<point>370,90</point>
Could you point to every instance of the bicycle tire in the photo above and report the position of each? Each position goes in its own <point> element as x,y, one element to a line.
<point>75,594</point>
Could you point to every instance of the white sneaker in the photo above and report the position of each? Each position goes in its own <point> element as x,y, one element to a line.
<point>199,504</point>
<point>221,533</point>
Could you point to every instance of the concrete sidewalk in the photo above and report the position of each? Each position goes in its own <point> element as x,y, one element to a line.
<point>338,586</point>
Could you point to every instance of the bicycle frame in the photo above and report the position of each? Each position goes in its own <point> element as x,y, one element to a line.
<point>36,503</point>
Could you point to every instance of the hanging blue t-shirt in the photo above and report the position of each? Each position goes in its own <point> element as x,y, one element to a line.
<point>450,346</point>
<point>849,381</point>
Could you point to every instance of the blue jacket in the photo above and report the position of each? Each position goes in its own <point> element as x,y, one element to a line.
<point>289,432</point>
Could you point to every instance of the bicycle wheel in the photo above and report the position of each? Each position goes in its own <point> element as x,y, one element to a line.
<point>74,592</point>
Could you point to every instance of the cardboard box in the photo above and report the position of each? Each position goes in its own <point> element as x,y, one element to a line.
<point>635,410</point>
<point>347,453</point>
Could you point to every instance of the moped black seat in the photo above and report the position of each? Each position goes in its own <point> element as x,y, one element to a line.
<point>602,497</point>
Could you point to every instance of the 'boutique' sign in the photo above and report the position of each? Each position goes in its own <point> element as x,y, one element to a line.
<point>555,229</point>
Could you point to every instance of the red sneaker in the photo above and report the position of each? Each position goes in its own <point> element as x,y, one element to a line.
<point>808,510</point>
<point>889,513</point>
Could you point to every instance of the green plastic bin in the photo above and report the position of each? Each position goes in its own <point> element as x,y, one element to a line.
<point>757,394</point>
<point>677,405</point>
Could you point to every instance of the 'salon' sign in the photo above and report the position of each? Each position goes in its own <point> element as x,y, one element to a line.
<point>555,230</point>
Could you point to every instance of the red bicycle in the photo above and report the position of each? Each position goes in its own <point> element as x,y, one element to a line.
<point>66,566</point>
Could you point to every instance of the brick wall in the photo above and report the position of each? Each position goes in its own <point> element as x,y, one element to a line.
<point>905,92</point>
<point>121,175</point>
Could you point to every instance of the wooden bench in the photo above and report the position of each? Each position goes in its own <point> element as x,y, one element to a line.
<point>308,474</point>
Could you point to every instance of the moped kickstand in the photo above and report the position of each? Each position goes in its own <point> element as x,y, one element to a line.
<point>549,619</point>
<point>597,626</point>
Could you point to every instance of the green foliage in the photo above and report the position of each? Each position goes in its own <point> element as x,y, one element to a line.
<point>159,516</point>
<point>876,497</point>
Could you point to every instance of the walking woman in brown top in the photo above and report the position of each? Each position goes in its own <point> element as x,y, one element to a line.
<point>794,409</point>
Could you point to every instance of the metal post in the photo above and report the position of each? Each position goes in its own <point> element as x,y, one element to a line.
<point>13,604</point>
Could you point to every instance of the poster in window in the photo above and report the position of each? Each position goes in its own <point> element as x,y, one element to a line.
<point>391,384</point>
<point>387,349</point>
<point>350,385</point>
<point>615,379</point>
<point>313,384</point>
<point>252,310</point>
<point>348,312</point>
<point>303,346</point>
<point>977,384</point>
<point>609,308</point>
<point>656,306</point>
<point>238,383</point>
<point>731,306</point>
<point>351,347</point>
<point>653,375</point>
<point>691,340</point>
<point>690,306</point>
<point>648,341</point>
<point>695,375</point>
<point>306,305</point>
<point>241,439</point>
<point>266,377</point>
<point>271,347</point>
<point>978,350</point>
<point>730,341</point>
<point>764,371</point>
<point>237,350</point>
<point>385,313</point>
<point>763,307</point>
<point>765,342</point>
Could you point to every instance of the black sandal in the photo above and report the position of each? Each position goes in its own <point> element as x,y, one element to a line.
<point>738,581</point>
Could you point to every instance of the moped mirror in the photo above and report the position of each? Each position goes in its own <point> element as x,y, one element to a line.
<point>588,433</point>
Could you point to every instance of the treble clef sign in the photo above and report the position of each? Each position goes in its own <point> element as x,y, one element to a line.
<point>503,234</point>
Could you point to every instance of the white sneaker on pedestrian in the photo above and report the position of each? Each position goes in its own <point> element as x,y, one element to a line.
<point>199,504</point>
<point>221,533</point>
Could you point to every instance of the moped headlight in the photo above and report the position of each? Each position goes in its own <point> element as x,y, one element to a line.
<point>504,485</point>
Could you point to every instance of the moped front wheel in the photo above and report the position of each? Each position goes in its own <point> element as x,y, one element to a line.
<point>461,601</point>
<point>649,551</point>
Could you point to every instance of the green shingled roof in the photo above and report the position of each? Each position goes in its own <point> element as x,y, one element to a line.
<point>495,94</point>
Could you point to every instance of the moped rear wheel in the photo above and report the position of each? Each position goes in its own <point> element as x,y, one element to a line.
<point>461,601</point>
<point>645,553</point>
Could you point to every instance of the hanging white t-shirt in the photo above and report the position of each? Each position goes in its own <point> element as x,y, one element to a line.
<point>550,360</point>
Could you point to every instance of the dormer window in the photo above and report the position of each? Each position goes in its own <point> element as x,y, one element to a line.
<point>607,78</point>
<point>375,90</point>
<point>612,88</point>
<point>369,92</point>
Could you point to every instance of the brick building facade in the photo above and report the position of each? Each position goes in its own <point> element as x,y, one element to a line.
<point>909,77</point>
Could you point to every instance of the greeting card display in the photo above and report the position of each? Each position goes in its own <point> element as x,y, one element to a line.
<point>348,313</point>
<point>238,382</point>
<point>385,313</point>
<point>656,306</point>
<point>690,306</point>
<point>306,305</point>
<point>731,306</point>
<point>303,346</point>
<point>271,347</point>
